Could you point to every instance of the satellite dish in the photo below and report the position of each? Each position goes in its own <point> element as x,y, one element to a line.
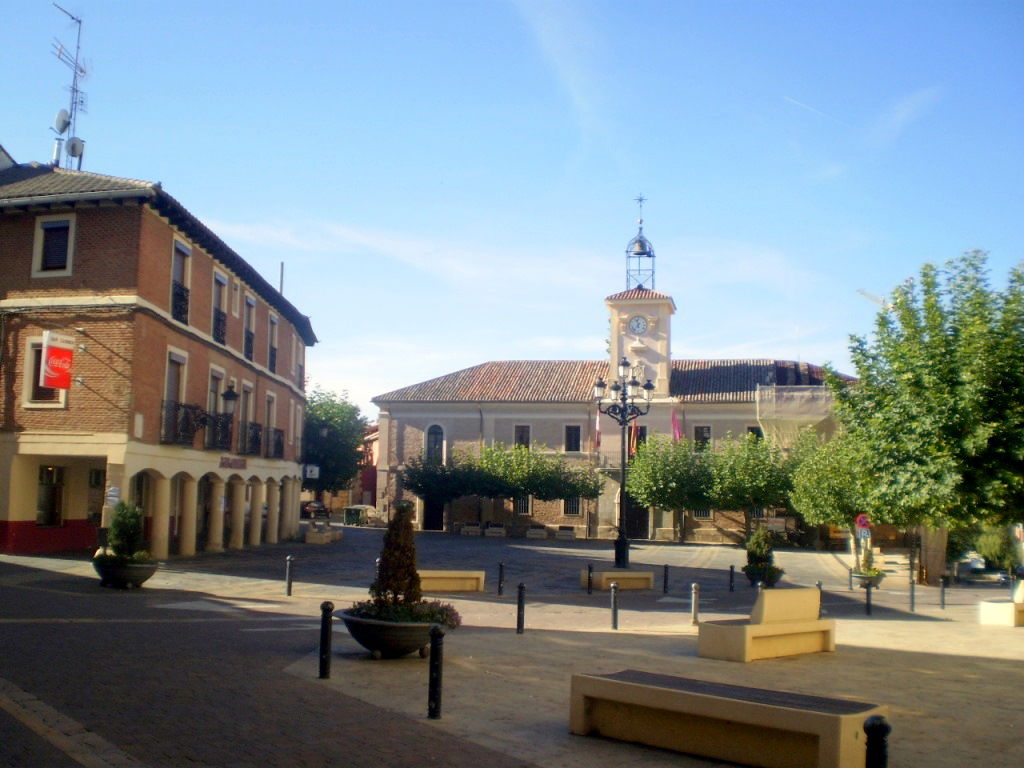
<point>62,121</point>
<point>75,146</point>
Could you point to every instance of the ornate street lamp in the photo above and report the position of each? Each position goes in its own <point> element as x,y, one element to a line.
<point>623,409</point>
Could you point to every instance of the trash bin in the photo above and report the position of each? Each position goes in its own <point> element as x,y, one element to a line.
<point>352,516</point>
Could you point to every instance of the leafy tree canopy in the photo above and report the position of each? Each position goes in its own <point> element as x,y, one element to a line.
<point>332,439</point>
<point>937,406</point>
<point>670,475</point>
<point>830,483</point>
<point>748,473</point>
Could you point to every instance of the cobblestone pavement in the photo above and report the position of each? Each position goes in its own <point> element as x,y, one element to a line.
<point>211,664</point>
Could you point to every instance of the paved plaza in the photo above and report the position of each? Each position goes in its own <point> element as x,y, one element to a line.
<point>211,664</point>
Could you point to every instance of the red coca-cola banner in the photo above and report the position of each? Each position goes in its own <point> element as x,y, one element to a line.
<point>58,351</point>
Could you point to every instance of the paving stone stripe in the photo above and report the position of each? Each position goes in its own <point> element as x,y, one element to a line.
<point>69,736</point>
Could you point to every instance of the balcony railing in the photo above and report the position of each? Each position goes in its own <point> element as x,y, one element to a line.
<point>179,302</point>
<point>275,443</point>
<point>220,326</point>
<point>218,432</point>
<point>250,343</point>
<point>251,438</point>
<point>179,422</point>
<point>272,360</point>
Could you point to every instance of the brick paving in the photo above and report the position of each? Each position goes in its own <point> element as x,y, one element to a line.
<point>211,664</point>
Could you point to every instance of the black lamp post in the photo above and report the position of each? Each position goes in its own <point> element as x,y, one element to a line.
<point>623,409</point>
<point>230,398</point>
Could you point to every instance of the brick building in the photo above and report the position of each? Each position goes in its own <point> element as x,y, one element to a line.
<point>550,404</point>
<point>170,332</point>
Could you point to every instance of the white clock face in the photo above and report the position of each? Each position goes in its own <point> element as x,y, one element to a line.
<point>637,324</point>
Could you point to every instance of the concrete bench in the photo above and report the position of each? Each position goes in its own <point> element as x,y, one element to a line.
<point>470,529</point>
<point>783,622</point>
<point>1007,612</point>
<point>494,529</point>
<point>536,532</point>
<point>566,532</point>
<point>752,726</point>
<point>626,579</point>
<point>452,581</point>
<point>318,535</point>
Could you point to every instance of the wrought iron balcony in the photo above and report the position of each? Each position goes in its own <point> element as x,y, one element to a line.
<point>275,443</point>
<point>251,438</point>
<point>220,326</point>
<point>179,302</point>
<point>179,422</point>
<point>218,431</point>
<point>250,343</point>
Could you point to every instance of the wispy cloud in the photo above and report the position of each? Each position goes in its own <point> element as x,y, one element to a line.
<point>813,110</point>
<point>901,114</point>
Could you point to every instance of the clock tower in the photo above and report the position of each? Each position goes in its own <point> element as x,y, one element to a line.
<point>641,322</point>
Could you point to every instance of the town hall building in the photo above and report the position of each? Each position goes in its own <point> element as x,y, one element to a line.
<point>550,404</point>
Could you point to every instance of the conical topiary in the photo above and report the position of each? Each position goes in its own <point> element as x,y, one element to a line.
<point>398,581</point>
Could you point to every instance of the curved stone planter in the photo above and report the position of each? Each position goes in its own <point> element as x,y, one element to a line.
<point>388,639</point>
<point>124,575</point>
<point>863,579</point>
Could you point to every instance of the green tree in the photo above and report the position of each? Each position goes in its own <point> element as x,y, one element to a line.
<point>670,475</point>
<point>333,440</point>
<point>524,471</point>
<point>830,484</point>
<point>437,481</point>
<point>937,404</point>
<point>748,474</point>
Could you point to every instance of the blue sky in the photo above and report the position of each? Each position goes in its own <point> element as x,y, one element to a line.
<point>452,182</point>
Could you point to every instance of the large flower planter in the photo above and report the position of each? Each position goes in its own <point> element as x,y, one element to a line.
<point>768,575</point>
<point>124,575</point>
<point>864,579</point>
<point>388,639</point>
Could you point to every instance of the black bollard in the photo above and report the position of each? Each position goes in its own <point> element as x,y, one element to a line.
<point>521,610</point>
<point>850,587</point>
<point>818,585</point>
<point>876,754</point>
<point>590,578</point>
<point>664,581</point>
<point>732,578</point>
<point>288,575</point>
<point>912,596</point>
<point>942,592</point>
<point>615,605</point>
<point>436,668</point>
<point>867,603</point>
<point>326,617</point>
<point>501,578</point>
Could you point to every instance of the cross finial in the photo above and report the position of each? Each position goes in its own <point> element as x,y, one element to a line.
<point>640,200</point>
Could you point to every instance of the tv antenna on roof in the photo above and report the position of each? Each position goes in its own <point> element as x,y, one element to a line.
<point>67,118</point>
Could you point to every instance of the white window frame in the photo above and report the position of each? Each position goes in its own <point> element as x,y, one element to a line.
<point>37,245</point>
<point>182,358</point>
<point>27,385</point>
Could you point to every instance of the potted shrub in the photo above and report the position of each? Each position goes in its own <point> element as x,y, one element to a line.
<point>123,563</point>
<point>866,573</point>
<point>761,559</point>
<point>396,620</point>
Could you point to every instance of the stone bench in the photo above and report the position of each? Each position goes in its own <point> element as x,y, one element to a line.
<point>494,530</point>
<point>536,532</point>
<point>317,535</point>
<point>451,581</point>
<point>752,726</point>
<point>1007,612</point>
<point>470,530</point>
<point>566,532</point>
<point>626,579</point>
<point>783,622</point>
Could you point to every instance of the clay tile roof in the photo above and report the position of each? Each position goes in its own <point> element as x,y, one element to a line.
<point>520,381</point>
<point>572,381</point>
<point>638,294</point>
<point>35,180</point>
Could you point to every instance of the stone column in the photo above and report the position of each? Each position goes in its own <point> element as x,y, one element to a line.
<point>189,500</point>
<point>215,532</point>
<point>237,514</point>
<point>293,507</point>
<point>159,534</point>
<point>273,511</point>
<point>256,498</point>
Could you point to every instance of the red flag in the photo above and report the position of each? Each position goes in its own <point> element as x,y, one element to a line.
<point>634,438</point>
<point>677,428</point>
